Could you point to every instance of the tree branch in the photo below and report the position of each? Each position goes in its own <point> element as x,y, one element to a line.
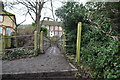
<point>31,16</point>
<point>52,10</point>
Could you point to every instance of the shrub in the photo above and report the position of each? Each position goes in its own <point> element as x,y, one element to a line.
<point>18,53</point>
<point>100,53</point>
<point>98,50</point>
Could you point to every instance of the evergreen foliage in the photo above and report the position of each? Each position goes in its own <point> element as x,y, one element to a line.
<point>100,48</point>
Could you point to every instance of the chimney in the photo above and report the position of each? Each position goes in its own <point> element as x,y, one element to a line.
<point>1,6</point>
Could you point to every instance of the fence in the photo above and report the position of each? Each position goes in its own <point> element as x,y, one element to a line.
<point>47,43</point>
<point>23,45</point>
<point>66,45</point>
<point>16,46</point>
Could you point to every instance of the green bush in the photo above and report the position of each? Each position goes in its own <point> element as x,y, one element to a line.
<point>44,29</point>
<point>99,50</point>
<point>100,53</point>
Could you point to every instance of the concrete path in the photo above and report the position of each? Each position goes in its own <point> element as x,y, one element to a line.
<point>51,61</point>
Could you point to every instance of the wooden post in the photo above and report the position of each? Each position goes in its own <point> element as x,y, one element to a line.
<point>3,42</point>
<point>1,54</point>
<point>78,42</point>
<point>35,43</point>
<point>64,42</point>
<point>41,42</point>
<point>1,46</point>
<point>38,39</point>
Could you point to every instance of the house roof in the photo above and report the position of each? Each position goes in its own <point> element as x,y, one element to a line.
<point>3,12</point>
<point>51,23</point>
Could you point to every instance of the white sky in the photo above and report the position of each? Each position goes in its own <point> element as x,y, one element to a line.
<point>45,12</point>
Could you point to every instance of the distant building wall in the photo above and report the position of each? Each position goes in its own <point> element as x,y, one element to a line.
<point>54,28</point>
<point>7,24</point>
<point>7,21</point>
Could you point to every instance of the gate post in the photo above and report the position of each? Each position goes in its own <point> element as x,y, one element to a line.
<point>35,43</point>
<point>78,42</point>
<point>3,42</point>
<point>1,45</point>
<point>41,42</point>
<point>1,53</point>
<point>64,42</point>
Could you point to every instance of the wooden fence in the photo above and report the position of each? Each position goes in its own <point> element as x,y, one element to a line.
<point>63,40</point>
<point>28,43</point>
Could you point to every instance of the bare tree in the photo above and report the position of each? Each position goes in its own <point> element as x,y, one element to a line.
<point>13,20</point>
<point>33,7</point>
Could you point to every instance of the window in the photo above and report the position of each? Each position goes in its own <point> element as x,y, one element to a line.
<point>0,30</point>
<point>56,27</point>
<point>1,18</point>
<point>56,33</point>
<point>51,28</point>
<point>8,31</point>
<point>60,28</point>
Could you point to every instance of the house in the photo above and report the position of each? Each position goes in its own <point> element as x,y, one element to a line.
<point>54,28</point>
<point>7,21</point>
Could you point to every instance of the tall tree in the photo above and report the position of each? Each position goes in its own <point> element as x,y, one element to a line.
<point>106,16</point>
<point>34,9</point>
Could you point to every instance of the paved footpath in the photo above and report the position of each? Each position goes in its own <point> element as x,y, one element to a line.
<point>51,61</point>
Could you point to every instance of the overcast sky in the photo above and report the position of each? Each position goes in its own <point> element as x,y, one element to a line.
<point>45,12</point>
<point>20,17</point>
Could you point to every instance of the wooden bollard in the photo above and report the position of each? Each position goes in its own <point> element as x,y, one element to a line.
<point>41,42</point>
<point>3,42</point>
<point>35,43</point>
<point>64,42</point>
<point>78,42</point>
<point>1,46</point>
